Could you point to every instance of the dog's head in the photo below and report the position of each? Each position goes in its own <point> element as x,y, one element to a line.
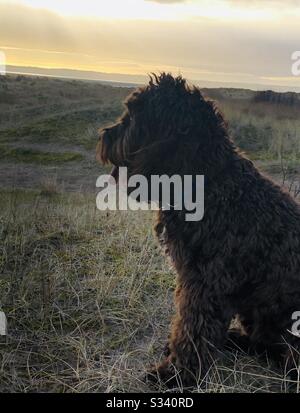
<point>165,128</point>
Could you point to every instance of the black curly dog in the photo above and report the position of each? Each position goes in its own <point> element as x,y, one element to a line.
<point>242,259</point>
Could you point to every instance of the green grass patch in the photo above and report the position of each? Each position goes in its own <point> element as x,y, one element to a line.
<point>72,128</point>
<point>36,156</point>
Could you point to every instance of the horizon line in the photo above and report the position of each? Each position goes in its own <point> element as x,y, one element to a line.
<point>129,83</point>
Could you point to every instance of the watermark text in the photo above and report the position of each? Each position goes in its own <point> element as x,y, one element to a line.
<point>296,64</point>
<point>160,192</point>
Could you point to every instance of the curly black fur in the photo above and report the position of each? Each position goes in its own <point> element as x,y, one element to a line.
<point>243,257</point>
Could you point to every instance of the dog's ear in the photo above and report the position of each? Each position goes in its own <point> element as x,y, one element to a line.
<point>100,157</point>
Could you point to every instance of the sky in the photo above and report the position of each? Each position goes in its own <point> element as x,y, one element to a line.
<point>215,42</point>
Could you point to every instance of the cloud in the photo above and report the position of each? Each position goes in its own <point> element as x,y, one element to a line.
<point>207,49</point>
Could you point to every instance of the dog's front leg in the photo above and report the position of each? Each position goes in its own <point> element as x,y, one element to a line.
<point>198,331</point>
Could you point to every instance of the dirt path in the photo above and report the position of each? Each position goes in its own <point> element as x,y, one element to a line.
<point>70,176</point>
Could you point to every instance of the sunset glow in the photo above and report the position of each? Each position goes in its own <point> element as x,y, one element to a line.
<point>150,10</point>
<point>223,41</point>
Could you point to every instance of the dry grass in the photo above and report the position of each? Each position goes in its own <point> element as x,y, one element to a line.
<point>88,299</point>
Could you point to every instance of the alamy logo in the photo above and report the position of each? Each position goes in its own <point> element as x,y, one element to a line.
<point>3,324</point>
<point>296,325</point>
<point>166,192</point>
<point>296,64</point>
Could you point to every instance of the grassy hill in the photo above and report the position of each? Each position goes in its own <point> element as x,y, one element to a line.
<point>47,123</point>
<point>87,295</point>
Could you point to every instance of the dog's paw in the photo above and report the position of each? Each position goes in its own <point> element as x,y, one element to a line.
<point>237,342</point>
<point>166,350</point>
<point>165,376</point>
